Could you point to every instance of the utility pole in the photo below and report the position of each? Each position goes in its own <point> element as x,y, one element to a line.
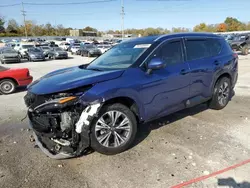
<point>122,18</point>
<point>24,14</point>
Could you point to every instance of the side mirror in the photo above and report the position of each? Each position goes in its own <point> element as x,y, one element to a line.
<point>155,64</point>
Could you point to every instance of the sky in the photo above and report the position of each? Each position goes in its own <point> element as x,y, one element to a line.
<point>138,13</point>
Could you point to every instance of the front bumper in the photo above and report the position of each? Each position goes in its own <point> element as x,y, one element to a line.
<point>61,155</point>
<point>37,58</point>
<point>11,59</point>
<point>61,56</point>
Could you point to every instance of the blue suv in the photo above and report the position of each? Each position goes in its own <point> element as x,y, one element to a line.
<point>100,105</point>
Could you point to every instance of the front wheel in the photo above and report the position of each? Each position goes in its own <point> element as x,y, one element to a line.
<point>7,86</point>
<point>114,130</point>
<point>221,95</point>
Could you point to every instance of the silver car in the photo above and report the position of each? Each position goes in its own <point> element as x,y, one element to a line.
<point>9,55</point>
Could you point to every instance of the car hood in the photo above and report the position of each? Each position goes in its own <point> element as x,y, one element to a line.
<point>70,78</point>
<point>36,53</point>
<point>10,54</point>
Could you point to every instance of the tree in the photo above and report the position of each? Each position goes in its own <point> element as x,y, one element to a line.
<point>200,28</point>
<point>88,28</point>
<point>233,24</point>
<point>179,29</point>
<point>12,27</point>
<point>2,22</point>
<point>221,27</point>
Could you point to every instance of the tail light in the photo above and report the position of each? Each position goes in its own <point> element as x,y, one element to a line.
<point>28,73</point>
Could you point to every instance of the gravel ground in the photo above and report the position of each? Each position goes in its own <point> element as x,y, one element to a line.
<point>176,148</point>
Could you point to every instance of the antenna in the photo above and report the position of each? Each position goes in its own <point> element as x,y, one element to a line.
<point>24,14</point>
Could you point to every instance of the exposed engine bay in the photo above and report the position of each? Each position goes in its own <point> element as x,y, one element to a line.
<point>61,123</point>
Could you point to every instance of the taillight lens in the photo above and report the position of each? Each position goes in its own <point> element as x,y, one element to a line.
<point>235,55</point>
<point>28,73</point>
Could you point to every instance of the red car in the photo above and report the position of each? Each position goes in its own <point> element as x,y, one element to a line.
<point>10,79</point>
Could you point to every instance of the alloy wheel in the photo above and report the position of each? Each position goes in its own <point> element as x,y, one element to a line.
<point>113,129</point>
<point>223,94</point>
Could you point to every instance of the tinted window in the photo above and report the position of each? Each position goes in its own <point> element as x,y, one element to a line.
<point>196,49</point>
<point>214,46</point>
<point>170,52</point>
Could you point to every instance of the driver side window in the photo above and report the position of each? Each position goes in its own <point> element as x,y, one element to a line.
<point>170,52</point>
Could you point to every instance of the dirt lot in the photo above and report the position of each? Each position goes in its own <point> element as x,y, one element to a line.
<point>167,152</point>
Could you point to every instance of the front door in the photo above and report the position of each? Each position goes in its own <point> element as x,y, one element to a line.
<point>166,90</point>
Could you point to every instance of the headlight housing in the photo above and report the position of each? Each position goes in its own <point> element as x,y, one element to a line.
<point>56,104</point>
<point>32,55</point>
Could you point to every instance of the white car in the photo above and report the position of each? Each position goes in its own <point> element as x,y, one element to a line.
<point>103,47</point>
<point>74,49</point>
<point>24,47</point>
<point>64,45</point>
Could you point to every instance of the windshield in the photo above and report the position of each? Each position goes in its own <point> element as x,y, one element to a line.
<point>9,51</point>
<point>119,57</point>
<point>58,49</point>
<point>89,46</point>
<point>45,48</point>
<point>27,46</point>
<point>34,50</point>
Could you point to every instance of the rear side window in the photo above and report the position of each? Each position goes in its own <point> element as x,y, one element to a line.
<point>214,46</point>
<point>196,49</point>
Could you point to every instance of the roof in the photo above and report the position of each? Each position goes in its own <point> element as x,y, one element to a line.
<point>152,39</point>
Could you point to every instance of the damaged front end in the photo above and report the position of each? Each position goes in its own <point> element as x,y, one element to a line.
<point>61,123</point>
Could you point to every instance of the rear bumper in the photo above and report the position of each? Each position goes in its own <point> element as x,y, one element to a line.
<point>25,81</point>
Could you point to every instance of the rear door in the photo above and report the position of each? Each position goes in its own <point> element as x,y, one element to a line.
<point>202,57</point>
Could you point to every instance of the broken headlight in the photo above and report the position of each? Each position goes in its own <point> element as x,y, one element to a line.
<point>56,104</point>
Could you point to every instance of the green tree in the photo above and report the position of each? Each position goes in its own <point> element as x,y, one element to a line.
<point>88,28</point>
<point>202,27</point>
<point>233,24</point>
<point>2,22</point>
<point>12,26</point>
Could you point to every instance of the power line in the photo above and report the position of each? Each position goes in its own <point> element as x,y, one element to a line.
<point>10,5</point>
<point>71,3</point>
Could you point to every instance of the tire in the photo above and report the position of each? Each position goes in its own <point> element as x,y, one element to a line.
<point>7,86</point>
<point>222,94</point>
<point>244,50</point>
<point>111,147</point>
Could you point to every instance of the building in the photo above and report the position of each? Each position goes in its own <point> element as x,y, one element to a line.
<point>82,33</point>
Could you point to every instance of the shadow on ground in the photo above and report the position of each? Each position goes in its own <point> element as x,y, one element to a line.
<point>145,129</point>
<point>230,182</point>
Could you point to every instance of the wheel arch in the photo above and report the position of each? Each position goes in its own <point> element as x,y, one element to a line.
<point>10,78</point>
<point>127,101</point>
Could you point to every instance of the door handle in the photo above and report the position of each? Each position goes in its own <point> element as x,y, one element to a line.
<point>184,71</point>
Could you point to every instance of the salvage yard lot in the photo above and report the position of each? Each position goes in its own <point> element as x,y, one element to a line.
<point>177,148</point>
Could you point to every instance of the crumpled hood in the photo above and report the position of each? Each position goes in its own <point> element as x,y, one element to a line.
<point>70,78</point>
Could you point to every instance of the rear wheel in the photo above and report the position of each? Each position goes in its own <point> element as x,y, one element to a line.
<point>221,95</point>
<point>114,130</point>
<point>7,86</point>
